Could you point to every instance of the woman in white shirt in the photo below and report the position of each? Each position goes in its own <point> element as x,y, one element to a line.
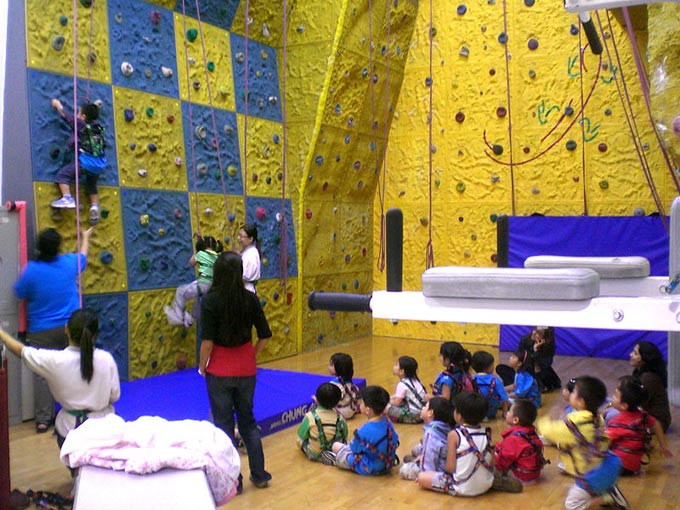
<point>83,379</point>
<point>250,255</point>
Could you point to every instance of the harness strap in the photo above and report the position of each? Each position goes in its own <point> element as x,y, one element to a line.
<point>421,401</point>
<point>592,449</point>
<point>535,450</point>
<point>80,415</point>
<point>323,442</point>
<point>389,458</point>
<point>472,449</point>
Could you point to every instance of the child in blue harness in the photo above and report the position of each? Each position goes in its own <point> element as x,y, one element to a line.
<point>489,384</point>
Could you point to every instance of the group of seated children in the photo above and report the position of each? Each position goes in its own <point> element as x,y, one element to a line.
<point>456,454</point>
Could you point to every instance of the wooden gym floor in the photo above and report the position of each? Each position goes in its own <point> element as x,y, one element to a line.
<point>299,483</point>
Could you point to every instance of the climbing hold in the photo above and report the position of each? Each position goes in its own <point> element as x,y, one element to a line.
<point>492,72</point>
<point>202,169</point>
<point>161,232</point>
<point>357,165</point>
<point>178,161</point>
<point>210,66</point>
<point>181,361</point>
<point>494,258</point>
<point>318,160</point>
<point>433,32</point>
<point>638,211</point>
<point>604,184</point>
<point>573,30</point>
<point>155,17</point>
<point>142,172</point>
<point>526,150</point>
<point>232,217</point>
<point>260,213</point>
<point>254,177</point>
<point>272,100</point>
<point>360,184</point>
<point>602,147</point>
<point>152,147</point>
<point>132,146</point>
<point>675,124</point>
<point>148,73</point>
<point>196,84</point>
<point>54,153</point>
<point>502,38</point>
<point>325,186</point>
<point>460,117</point>
<point>98,103</point>
<point>461,219</point>
<point>308,214</point>
<point>275,139</point>
<point>58,43</point>
<point>529,3</point>
<point>576,178</point>
<point>493,217</point>
<point>460,187</point>
<point>279,217</point>
<point>464,51</point>
<point>239,57</point>
<point>86,3</point>
<point>232,170</point>
<point>63,20</point>
<point>208,211</point>
<point>144,220</point>
<point>200,131</point>
<point>532,73</point>
<point>268,180</point>
<point>569,111</point>
<point>149,112</point>
<point>571,145</point>
<point>424,221</point>
<point>129,115</point>
<point>192,61</point>
<point>192,34</point>
<point>495,179</point>
<point>118,17</point>
<point>607,112</point>
<point>167,72</point>
<point>265,30</point>
<point>92,57</point>
<point>535,190</point>
<point>532,44</point>
<point>178,213</point>
<point>126,68</point>
<point>228,130</point>
<point>497,149</point>
<point>348,257</point>
<point>106,257</point>
<point>501,111</point>
<point>462,9</point>
<point>437,183</point>
<point>148,314</point>
<point>428,81</point>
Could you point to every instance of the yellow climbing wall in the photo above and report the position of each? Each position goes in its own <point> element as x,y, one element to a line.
<point>519,125</point>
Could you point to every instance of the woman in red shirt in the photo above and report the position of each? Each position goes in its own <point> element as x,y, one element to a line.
<point>228,357</point>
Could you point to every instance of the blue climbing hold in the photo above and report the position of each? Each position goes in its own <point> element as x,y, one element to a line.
<point>106,257</point>
<point>462,9</point>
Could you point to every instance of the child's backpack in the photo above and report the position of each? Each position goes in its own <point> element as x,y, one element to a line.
<point>92,153</point>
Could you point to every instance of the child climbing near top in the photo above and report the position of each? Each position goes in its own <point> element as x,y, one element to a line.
<point>455,377</point>
<point>584,448</point>
<point>409,397</point>
<point>341,366</point>
<point>373,450</point>
<point>469,458</point>
<point>322,426</point>
<point>489,384</point>
<point>628,431</point>
<point>207,250</point>
<point>91,157</point>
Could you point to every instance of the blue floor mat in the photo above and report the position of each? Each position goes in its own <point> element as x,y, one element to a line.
<point>281,397</point>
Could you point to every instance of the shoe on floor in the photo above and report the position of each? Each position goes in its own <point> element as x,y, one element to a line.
<point>409,458</point>
<point>507,484</point>
<point>64,203</point>
<point>188,319</point>
<point>616,498</point>
<point>328,458</point>
<point>173,318</point>
<point>41,428</point>
<point>94,215</point>
<point>262,484</point>
<point>409,470</point>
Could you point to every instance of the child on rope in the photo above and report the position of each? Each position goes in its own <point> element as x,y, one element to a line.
<point>91,156</point>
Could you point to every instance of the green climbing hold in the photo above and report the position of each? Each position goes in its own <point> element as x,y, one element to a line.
<point>144,264</point>
<point>211,66</point>
<point>149,112</point>
<point>604,184</point>
<point>104,213</point>
<point>192,34</point>
<point>148,315</point>
<point>493,217</point>
<point>460,187</point>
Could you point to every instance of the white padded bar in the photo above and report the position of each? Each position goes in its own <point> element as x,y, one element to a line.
<point>606,267</point>
<point>510,283</point>
<point>636,313</point>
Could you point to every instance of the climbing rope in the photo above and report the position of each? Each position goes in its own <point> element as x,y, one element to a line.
<point>75,146</point>
<point>626,103</point>
<point>429,250</point>
<point>582,115</point>
<point>215,141</point>
<point>283,224</point>
<point>507,89</point>
<point>246,99</point>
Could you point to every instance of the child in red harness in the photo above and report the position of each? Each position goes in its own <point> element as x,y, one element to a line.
<point>628,432</point>
<point>519,455</point>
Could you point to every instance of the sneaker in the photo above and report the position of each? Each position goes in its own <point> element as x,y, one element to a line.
<point>409,458</point>
<point>264,483</point>
<point>328,458</point>
<point>188,319</point>
<point>409,470</point>
<point>65,202</point>
<point>618,499</point>
<point>507,484</point>
<point>173,318</point>
<point>94,215</point>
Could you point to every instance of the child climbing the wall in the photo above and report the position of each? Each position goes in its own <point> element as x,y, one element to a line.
<point>373,450</point>
<point>91,157</point>
<point>207,250</point>
<point>341,366</point>
<point>409,397</point>
<point>322,426</point>
<point>250,255</point>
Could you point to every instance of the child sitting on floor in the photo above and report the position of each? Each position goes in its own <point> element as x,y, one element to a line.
<point>430,453</point>
<point>519,454</point>
<point>525,385</point>
<point>322,426</point>
<point>342,367</point>
<point>584,448</point>
<point>409,398</point>
<point>628,432</point>
<point>455,377</point>
<point>373,451</point>
<point>469,458</point>
<point>489,384</point>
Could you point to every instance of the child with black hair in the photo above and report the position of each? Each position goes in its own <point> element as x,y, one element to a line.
<point>373,450</point>
<point>455,378</point>
<point>519,454</point>
<point>250,255</point>
<point>341,366</point>
<point>409,397</point>
<point>540,344</point>
<point>525,385</point>
<point>322,426</point>
<point>469,458</point>
<point>207,250</point>
<point>584,448</point>
<point>489,384</point>
<point>91,157</point>
<point>430,453</point>
<point>628,431</point>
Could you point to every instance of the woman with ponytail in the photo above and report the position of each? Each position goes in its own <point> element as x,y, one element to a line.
<point>82,378</point>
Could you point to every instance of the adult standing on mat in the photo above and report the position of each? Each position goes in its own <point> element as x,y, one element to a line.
<point>250,255</point>
<point>49,284</point>
<point>228,357</point>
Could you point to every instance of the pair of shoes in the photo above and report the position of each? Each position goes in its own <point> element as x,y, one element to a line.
<point>188,319</point>
<point>328,458</point>
<point>616,498</point>
<point>173,317</point>
<point>409,458</point>
<point>507,484</point>
<point>65,202</point>
<point>94,215</point>
<point>409,470</point>
<point>264,483</point>
<point>41,428</point>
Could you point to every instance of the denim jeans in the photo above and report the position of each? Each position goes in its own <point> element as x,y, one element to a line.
<point>229,395</point>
